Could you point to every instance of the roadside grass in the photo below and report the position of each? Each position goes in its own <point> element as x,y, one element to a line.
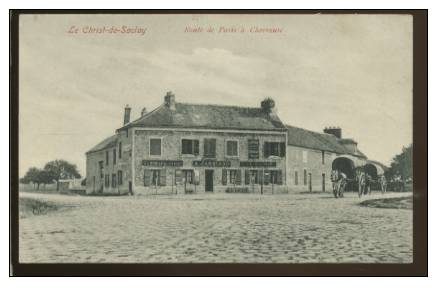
<point>404,202</point>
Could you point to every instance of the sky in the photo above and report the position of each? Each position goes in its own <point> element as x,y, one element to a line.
<point>351,71</point>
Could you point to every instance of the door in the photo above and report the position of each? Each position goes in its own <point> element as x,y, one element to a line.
<point>130,187</point>
<point>310,183</point>
<point>323,182</point>
<point>209,180</point>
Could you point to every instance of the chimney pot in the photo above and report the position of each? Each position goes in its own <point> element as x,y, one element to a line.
<point>170,100</point>
<point>127,110</point>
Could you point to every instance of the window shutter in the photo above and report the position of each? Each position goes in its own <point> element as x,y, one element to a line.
<point>266,149</point>
<point>147,177</point>
<point>282,149</point>
<point>279,178</point>
<point>247,177</point>
<point>196,147</point>
<point>238,178</point>
<point>224,177</point>
<point>163,178</point>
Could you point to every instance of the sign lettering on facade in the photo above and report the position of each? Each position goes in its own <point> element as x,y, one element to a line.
<point>162,163</point>
<point>257,164</point>
<point>211,163</point>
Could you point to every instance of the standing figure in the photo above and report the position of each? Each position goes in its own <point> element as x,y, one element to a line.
<point>383,182</point>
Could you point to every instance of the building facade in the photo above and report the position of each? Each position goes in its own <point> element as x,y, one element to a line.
<point>187,148</point>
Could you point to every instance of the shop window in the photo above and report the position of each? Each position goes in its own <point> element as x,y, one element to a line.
<point>209,148</point>
<point>276,177</point>
<point>189,176</point>
<point>190,147</point>
<point>155,177</point>
<point>274,149</point>
<point>231,148</point>
<point>224,177</point>
<point>235,177</point>
<point>155,147</point>
<point>251,177</point>
<point>253,148</point>
<point>120,177</point>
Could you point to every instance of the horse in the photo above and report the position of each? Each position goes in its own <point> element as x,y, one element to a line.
<point>338,183</point>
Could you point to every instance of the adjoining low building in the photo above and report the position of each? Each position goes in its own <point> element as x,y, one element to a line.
<point>183,148</point>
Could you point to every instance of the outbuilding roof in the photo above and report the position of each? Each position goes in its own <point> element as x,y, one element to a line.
<point>319,141</point>
<point>106,143</point>
<point>185,115</point>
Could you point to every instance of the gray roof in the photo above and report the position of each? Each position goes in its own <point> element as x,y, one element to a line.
<point>209,116</point>
<point>319,141</point>
<point>106,143</point>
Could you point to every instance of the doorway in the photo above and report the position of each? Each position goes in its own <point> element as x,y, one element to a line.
<point>323,182</point>
<point>209,180</point>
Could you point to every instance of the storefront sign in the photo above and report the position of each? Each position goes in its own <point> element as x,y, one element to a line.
<point>163,163</point>
<point>257,164</point>
<point>211,163</point>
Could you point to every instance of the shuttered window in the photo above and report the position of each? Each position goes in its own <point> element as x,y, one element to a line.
<point>274,149</point>
<point>231,148</point>
<point>155,147</point>
<point>190,147</point>
<point>253,148</point>
<point>209,148</point>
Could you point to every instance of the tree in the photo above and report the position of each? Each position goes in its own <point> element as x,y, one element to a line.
<point>31,176</point>
<point>402,164</point>
<point>61,169</point>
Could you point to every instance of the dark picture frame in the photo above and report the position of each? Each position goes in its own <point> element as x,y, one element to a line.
<point>419,267</point>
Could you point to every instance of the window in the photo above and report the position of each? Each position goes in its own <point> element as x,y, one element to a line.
<point>209,147</point>
<point>119,150</point>
<point>155,177</point>
<point>114,180</point>
<point>120,177</point>
<point>296,178</point>
<point>190,147</point>
<point>106,181</point>
<point>224,177</point>
<point>101,169</point>
<point>304,177</point>
<point>155,147</point>
<point>304,156</point>
<point>323,157</point>
<point>253,147</point>
<point>107,157</point>
<point>235,177</point>
<point>274,149</point>
<point>231,148</point>
<point>114,156</point>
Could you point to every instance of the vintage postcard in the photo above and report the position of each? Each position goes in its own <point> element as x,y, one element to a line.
<point>215,138</point>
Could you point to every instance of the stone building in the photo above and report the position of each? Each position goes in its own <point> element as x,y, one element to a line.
<point>188,148</point>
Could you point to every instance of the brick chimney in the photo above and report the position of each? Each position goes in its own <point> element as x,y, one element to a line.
<point>143,112</point>
<point>126,115</point>
<point>336,131</point>
<point>170,101</point>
